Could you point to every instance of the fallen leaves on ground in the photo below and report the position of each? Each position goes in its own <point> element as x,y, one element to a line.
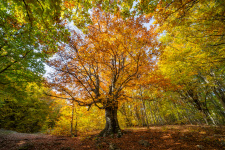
<point>171,137</point>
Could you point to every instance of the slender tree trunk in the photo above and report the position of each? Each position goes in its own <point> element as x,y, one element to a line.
<point>75,129</point>
<point>137,115</point>
<point>71,127</point>
<point>112,126</point>
<point>153,121</point>
<point>198,105</point>
<point>72,121</point>
<point>211,118</point>
<point>216,89</point>
<point>222,113</point>
<point>145,114</point>
<point>176,108</point>
<point>188,116</point>
<point>142,118</point>
<point>157,115</point>
<point>123,111</point>
<point>220,95</point>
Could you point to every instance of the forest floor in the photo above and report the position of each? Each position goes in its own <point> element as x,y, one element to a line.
<point>173,137</point>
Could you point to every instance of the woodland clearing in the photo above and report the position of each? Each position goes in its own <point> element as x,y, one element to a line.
<point>156,137</point>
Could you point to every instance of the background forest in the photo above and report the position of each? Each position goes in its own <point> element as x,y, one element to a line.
<point>106,58</point>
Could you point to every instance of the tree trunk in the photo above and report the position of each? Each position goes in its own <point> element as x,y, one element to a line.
<point>222,113</point>
<point>71,125</point>
<point>144,108</point>
<point>220,95</point>
<point>153,120</point>
<point>188,116</point>
<point>137,115</point>
<point>72,121</point>
<point>145,114</point>
<point>123,112</point>
<point>112,125</point>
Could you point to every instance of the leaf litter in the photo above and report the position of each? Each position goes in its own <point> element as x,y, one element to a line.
<point>171,137</point>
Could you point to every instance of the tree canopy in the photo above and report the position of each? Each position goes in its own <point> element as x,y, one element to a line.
<point>107,61</point>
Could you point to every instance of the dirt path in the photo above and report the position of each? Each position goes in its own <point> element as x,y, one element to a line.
<point>155,138</point>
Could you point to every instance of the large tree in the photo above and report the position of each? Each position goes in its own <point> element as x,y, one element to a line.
<point>100,67</point>
<point>30,31</point>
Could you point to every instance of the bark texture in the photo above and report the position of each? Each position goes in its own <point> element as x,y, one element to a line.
<point>112,126</point>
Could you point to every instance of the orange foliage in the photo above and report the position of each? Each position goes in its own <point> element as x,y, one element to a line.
<point>99,67</point>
